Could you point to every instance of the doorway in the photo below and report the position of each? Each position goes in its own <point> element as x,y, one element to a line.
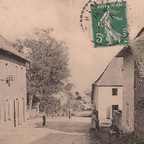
<point>15,114</point>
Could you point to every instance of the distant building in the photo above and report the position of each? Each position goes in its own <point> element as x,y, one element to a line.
<point>108,91</point>
<point>131,102</point>
<point>13,97</point>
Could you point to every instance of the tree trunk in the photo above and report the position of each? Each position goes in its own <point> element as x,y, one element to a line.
<point>30,105</point>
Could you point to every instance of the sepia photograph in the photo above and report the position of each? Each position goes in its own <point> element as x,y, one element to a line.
<point>71,72</point>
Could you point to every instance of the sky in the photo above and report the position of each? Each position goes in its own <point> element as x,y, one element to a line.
<point>19,17</point>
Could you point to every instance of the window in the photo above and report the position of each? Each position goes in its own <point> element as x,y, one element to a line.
<point>114,91</point>
<point>115,107</point>
<point>6,64</point>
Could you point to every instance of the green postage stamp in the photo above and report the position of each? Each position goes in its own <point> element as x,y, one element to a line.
<point>109,24</point>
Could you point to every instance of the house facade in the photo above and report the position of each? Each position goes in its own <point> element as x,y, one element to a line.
<point>108,92</point>
<point>132,98</point>
<point>133,87</point>
<point>128,79</point>
<point>12,85</point>
<point>133,93</point>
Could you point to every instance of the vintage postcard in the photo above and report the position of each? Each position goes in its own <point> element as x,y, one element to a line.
<point>71,72</point>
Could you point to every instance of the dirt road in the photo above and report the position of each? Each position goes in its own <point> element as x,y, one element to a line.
<point>66,132</point>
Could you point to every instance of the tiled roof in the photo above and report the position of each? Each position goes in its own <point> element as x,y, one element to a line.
<point>7,46</point>
<point>112,74</point>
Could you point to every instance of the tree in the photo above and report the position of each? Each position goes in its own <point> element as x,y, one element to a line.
<point>49,65</point>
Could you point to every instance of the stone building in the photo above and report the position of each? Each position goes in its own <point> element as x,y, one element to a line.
<point>133,87</point>
<point>108,91</point>
<point>127,123</point>
<point>132,117</point>
<point>12,85</point>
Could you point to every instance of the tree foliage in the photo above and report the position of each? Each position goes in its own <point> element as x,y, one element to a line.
<point>49,64</point>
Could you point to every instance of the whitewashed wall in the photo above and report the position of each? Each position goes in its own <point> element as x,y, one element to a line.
<point>106,100</point>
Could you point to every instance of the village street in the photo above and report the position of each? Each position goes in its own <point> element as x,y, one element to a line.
<point>76,131</point>
<point>57,131</point>
<point>64,131</point>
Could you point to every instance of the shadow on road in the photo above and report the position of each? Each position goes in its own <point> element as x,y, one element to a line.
<point>90,137</point>
<point>98,137</point>
<point>76,132</point>
<point>103,136</point>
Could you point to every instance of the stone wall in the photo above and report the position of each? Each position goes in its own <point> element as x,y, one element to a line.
<point>128,94</point>
<point>12,92</point>
<point>139,104</point>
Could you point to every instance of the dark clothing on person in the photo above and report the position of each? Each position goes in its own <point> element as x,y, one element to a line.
<point>43,120</point>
